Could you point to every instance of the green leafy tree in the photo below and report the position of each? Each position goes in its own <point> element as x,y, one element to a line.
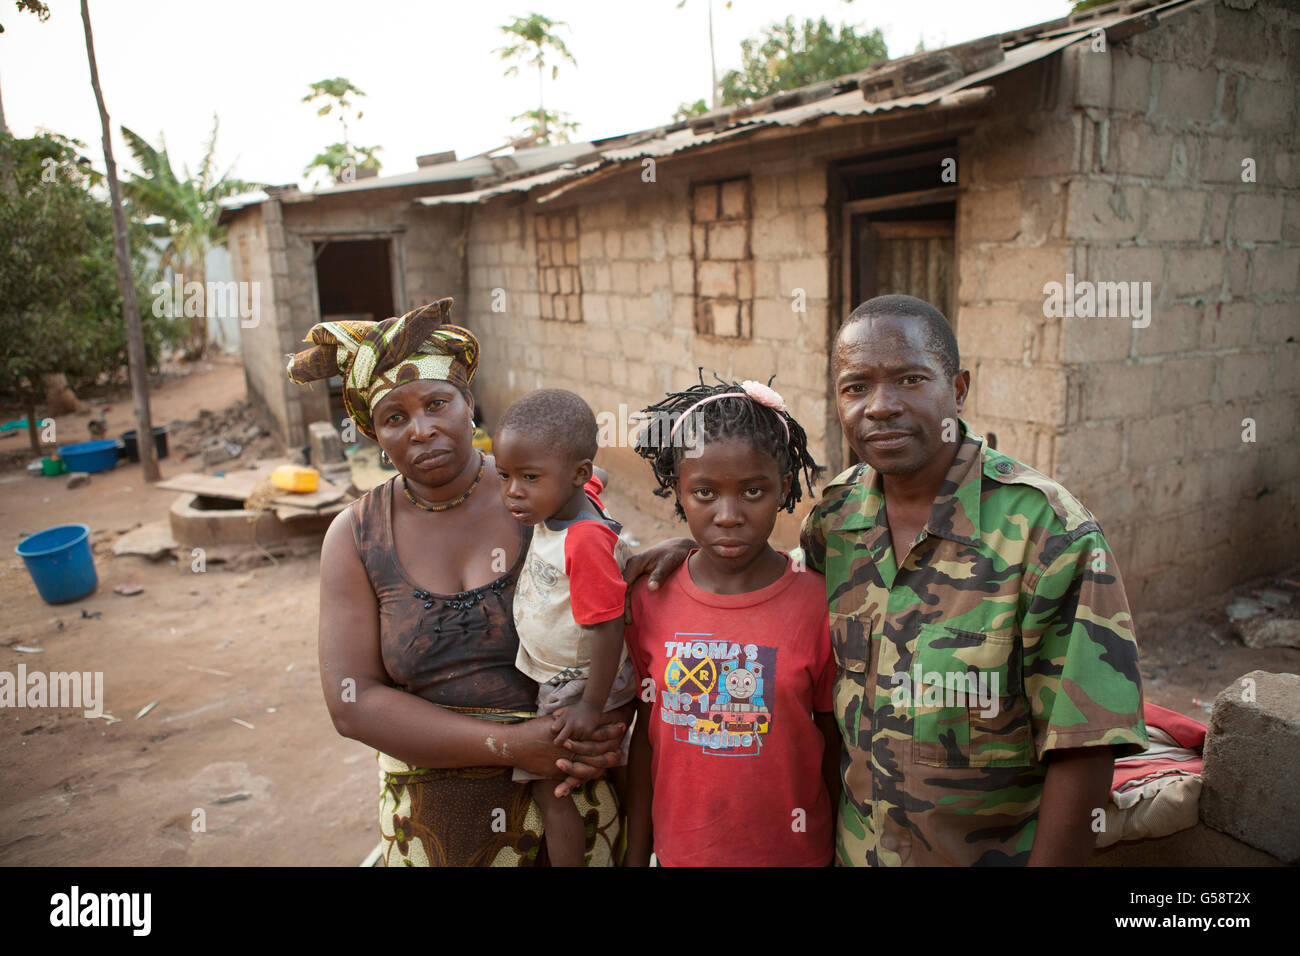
<point>41,10</point>
<point>60,302</point>
<point>531,38</point>
<point>687,110</point>
<point>184,211</point>
<point>340,160</point>
<point>789,55</point>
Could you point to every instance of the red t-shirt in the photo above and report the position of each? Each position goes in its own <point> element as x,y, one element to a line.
<point>736,764</point>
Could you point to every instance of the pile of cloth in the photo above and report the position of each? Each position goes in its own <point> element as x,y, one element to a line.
<point>1157,792</point>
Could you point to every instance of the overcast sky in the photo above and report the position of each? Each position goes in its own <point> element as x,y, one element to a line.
<point>431,77</point>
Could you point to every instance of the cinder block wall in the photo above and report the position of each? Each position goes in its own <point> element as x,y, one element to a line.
<point>1126,166</point>
<point>1114,166</point>
<point>256,238</point>
<point>1014,169</point>
<point>637,338</point>
<point>1153,437</point>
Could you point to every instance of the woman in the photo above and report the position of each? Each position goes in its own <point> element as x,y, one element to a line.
<point>417,638</point>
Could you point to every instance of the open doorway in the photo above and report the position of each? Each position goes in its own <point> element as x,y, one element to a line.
<point>354,280</point>
<point>898,218</point>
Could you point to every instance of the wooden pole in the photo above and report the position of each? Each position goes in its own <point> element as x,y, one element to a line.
<point>137,362</point>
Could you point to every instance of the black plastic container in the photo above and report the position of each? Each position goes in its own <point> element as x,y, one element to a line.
<point>132,451</point>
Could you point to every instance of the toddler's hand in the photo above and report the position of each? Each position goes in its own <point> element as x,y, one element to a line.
<point>578,721</point>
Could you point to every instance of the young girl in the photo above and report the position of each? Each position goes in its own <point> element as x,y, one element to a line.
<point>735,756</point>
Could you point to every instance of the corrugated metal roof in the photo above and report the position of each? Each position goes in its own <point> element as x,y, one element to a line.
<point>841,97</point>
<point>523,160</point>
<point>852,102</point>
<point>514,185</point>
<point>240,200</point>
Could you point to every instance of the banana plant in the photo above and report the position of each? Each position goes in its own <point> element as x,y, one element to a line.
<point>183,211</point>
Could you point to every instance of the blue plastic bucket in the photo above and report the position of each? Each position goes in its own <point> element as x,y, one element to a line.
<point>90,456</point>
<point>60,562</point>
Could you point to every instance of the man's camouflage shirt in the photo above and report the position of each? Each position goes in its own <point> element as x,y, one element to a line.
<point>1010,590</point>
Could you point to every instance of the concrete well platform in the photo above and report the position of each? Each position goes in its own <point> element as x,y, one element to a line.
<point>201,521</point>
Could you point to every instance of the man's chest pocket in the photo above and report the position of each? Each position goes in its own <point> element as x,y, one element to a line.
<point>851,645</point>
<point>968,708</point>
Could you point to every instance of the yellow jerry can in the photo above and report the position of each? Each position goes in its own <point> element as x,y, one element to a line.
<point>295,478</point>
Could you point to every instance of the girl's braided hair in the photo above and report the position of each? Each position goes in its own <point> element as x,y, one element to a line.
<point>726,418</point>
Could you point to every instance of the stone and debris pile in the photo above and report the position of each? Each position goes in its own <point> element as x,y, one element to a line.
<point>220,437</point>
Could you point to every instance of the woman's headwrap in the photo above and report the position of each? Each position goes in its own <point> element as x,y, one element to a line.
<point>376,357</point>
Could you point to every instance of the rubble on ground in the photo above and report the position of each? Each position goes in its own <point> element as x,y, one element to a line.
<point>1267,616</point>
<point>218,438</point>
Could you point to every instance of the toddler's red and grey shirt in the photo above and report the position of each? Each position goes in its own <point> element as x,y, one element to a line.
<point>572,580</point>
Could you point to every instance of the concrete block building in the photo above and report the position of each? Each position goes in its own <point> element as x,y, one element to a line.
<point>1104,206</point>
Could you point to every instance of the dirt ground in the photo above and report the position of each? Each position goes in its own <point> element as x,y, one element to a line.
<point>238,643</point>
<point>84,792</point>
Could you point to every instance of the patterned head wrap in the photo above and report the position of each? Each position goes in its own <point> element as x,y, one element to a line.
<point>376,357</point>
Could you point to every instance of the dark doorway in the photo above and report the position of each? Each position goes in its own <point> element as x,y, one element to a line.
<point>897,229</point>
<point>354,280</point>
<point>899,220</point>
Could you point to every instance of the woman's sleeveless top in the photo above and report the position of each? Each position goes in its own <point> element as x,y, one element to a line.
<point>455,650</point>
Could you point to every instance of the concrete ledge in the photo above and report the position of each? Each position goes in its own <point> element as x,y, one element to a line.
<point>1252,764</point>
<point>1196,846</point>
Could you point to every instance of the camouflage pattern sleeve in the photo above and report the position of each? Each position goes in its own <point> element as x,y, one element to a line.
<point>1080,656</point>
<point>812,540</point>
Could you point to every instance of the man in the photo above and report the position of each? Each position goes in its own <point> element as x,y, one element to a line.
<point>988,673</point>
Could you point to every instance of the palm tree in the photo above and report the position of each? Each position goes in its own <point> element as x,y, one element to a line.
<point>188,210</point>
<point>340,159</point>
<point>544,127</point>
<point>532,35</point>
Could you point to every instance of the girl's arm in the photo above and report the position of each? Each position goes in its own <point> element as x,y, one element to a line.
<point>640,829</point>
<point>364,707</point>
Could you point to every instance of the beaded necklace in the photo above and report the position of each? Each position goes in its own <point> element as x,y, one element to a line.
<point>482,464</point>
